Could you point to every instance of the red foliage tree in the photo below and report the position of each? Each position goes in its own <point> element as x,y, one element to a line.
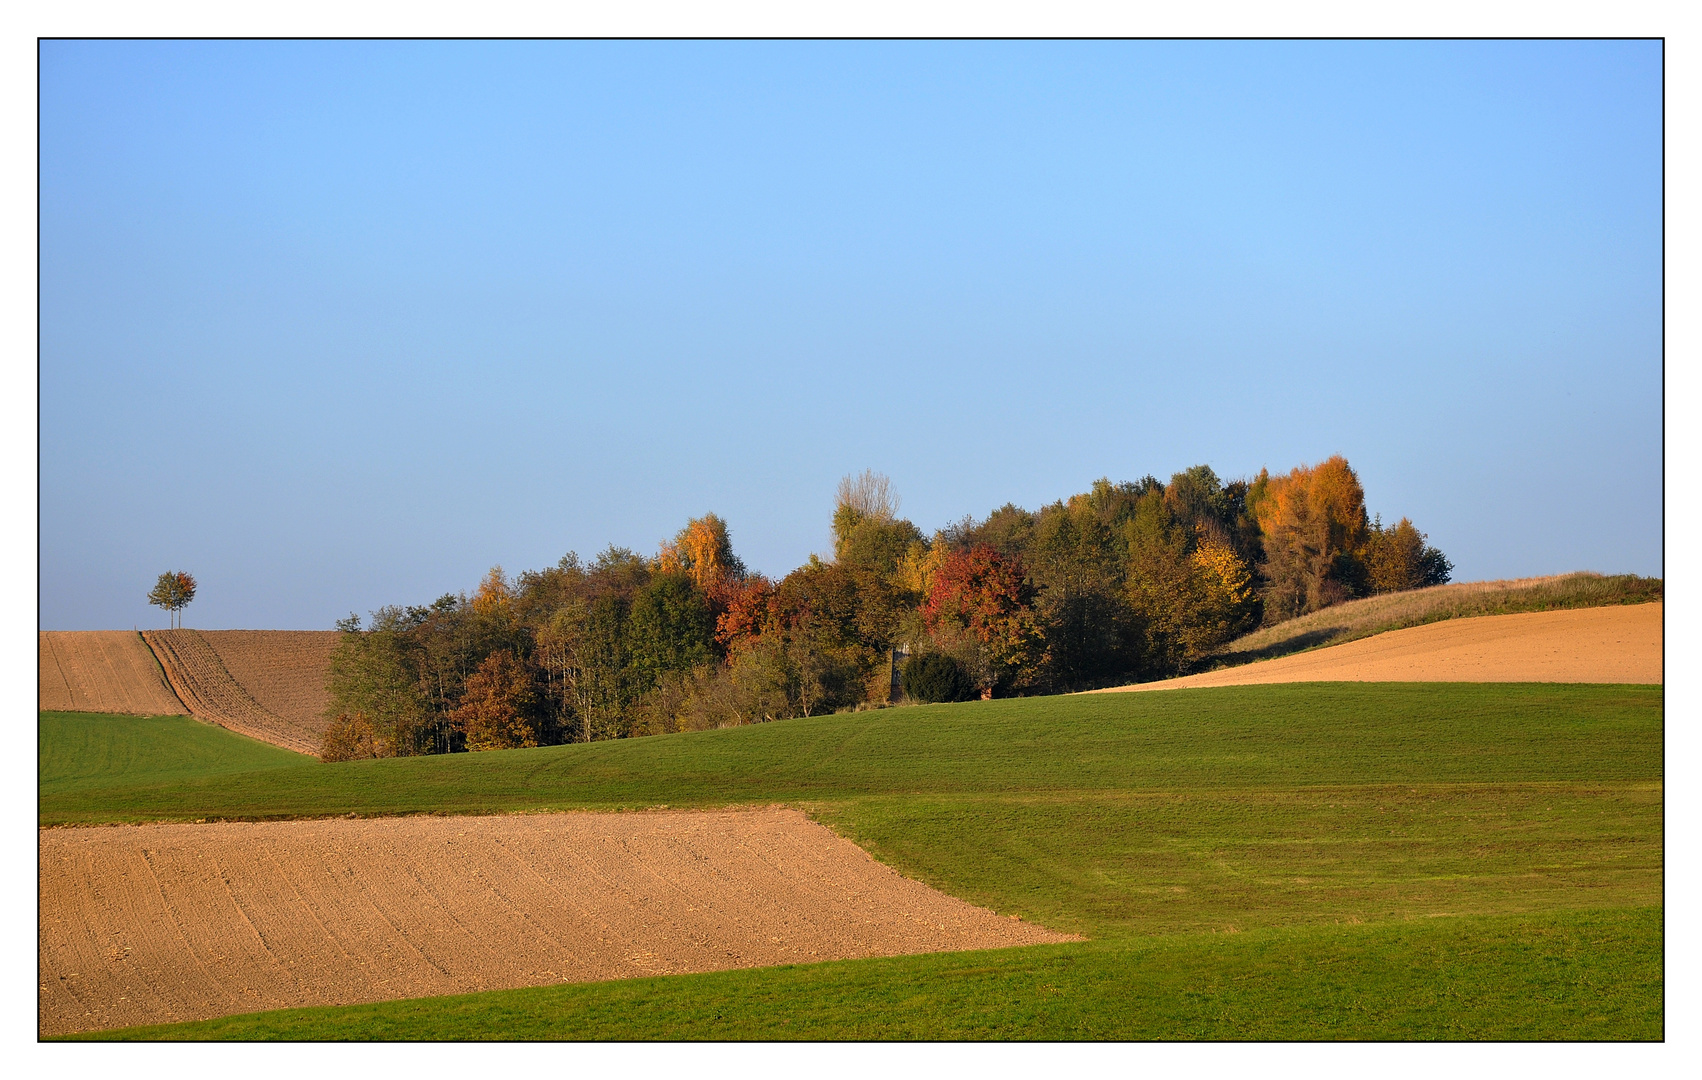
<point>984,596</point>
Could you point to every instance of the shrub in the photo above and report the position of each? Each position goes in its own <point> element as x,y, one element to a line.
<point>936,677</point>
<point>351,737</point>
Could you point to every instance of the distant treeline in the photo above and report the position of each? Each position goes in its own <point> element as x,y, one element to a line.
<point>1122,583</point>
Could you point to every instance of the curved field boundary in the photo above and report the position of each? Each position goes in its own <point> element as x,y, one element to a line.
<point>1587,645</point>
<point>1341,623</point>
<point>102,671</point>
<point>207,686</point>
<point>162,923</point>
<point>284,671</point>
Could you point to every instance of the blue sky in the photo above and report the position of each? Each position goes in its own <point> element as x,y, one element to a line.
<point>335,325</point>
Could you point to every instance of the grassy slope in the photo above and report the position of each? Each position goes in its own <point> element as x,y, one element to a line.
<point>1584,975</point>
<point>1324,825</point>
<point>1230,738</point>
<point>1397,611</point>
<point>85,755</point>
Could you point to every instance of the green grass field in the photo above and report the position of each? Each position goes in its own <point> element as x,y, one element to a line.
<point>94,752</point>
<point>1301,861</point>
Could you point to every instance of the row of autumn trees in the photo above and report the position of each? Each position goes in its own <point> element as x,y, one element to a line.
<point>1124,582</point>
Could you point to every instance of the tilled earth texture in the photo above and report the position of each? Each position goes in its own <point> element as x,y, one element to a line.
<point>266,684</point>
<point>158,923</point>
<point>102,671</point>
<point>1588,645</point>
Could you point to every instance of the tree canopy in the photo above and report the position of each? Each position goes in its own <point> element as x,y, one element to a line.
<point>173,592</point>
<point>1123,582</point>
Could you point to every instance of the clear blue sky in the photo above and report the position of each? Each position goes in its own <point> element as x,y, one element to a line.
<point>339,325</point>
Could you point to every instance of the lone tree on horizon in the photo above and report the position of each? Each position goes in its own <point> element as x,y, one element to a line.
<point>173,591</point>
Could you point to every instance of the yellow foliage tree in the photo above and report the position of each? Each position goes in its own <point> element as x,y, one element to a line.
<point>1225,600</point>
<point>1190,602</point>
<point>352,737</point>
<point>1398,557</point>
<point>1227,575</point>
<point>917,566</point>
<point>495,595</point>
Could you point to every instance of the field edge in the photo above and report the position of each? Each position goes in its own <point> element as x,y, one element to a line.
<point>1535,977</point>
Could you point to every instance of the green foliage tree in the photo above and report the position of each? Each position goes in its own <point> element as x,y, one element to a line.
<point>876,546</point>
<point>377,700</point>
<point>173,592</point>
<point>1196,500</point>
<point>608,682</point>
<point>823,639</point>
<point>670,629</point>
<point>867,496</point>
<point>1434,568</point>
<point>1074,564</point>
<point>931,677</point>
<point>1188,588</point>
<point>1006,530</point>
<point>799,667</point>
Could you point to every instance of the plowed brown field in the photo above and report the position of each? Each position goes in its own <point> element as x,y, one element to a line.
<point>160,923</point>
<point>1593,645</point>
<point>267,684</point>
<point>102,671</point>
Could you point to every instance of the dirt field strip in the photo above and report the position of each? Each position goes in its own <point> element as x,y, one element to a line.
<point>1340,623</point>
<point>159,923</point>
<point>102,671</point>
<point>266,684</point>
<point>284,671</point>
<point>1593,645</point>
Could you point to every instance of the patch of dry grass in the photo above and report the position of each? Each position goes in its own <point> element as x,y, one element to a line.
<point>1397,611</point>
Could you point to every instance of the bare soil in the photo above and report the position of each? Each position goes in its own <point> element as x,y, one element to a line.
<point>161,923</point>
<point>1340,623</point>
<point>1592,645</point>
<point>102,671</point>
<point>284,671</point>
<point>266,684</point>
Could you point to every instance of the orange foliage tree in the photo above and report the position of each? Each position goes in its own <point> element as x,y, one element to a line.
<point>1313,522</point>
<point>496,711</point>
<point>1124,581</point>
<point>744,614</point>
<point>703,551</point>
